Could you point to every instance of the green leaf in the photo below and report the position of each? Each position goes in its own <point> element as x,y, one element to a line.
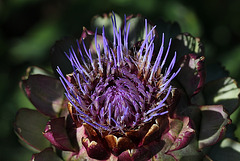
<point>29,125</point>
<point>46,155</point>
<point>223,91</point>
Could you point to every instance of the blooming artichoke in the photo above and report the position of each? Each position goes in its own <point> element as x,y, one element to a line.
<point>126,92</point>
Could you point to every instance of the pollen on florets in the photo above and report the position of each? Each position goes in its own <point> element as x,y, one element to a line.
<point>119,89</point>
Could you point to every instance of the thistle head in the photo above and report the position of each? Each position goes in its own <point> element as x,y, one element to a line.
<point>127,97</point>
<point>118,89</point>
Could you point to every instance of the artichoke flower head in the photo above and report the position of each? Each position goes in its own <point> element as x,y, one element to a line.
<point>127,92</point>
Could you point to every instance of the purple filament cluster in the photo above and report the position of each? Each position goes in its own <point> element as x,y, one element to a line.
<point>118,91</point>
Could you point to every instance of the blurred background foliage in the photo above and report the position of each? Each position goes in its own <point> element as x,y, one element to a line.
<point>28,29</point>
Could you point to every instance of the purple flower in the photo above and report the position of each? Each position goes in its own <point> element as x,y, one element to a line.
<point>126,94</point>
<point>117,90</point>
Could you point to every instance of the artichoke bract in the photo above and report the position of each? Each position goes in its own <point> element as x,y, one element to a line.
<point>130,90</point>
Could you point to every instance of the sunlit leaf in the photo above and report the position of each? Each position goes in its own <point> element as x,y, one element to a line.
<point>185,44</point>
<point>34,70</point>
<point>223,91</point>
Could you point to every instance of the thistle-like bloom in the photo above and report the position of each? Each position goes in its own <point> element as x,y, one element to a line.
<point>118,90</point>
<point>127,96</point>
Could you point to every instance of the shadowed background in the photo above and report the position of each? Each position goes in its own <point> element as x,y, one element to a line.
<point>28,29</point>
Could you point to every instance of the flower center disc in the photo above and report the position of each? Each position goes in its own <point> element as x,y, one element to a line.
<point>119,98</point>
